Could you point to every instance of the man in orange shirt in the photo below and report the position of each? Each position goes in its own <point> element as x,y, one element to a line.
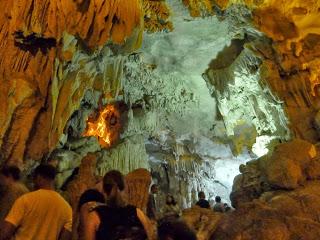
<point>39,215</point>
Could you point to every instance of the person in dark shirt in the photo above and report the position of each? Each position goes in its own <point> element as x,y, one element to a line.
<point>203,203</point>
<point>116,219</point>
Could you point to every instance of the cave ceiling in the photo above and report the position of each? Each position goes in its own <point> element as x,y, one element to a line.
<point>230,71</point>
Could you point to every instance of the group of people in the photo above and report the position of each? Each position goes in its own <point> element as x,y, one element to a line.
<point>217,207</point>
<point>43,214</point>
<point>171,210</point>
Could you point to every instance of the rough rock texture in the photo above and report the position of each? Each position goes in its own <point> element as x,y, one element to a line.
<point>84,180</point>
<point>31,41</point>
<point>185,166</point>
<point>245,104</point>
<point>276,215</point>
<point>288,167</point>
<point>156,16</point>
<point>137,188</point>
<point>203,221</point>
<point>292,67</point>
<point>285,205</point>
<point>61,56</point>
<point>276,197</point>
<point>199,8</point>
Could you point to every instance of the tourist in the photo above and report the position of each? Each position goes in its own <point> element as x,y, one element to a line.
<point>203,203</point>
<point>151,205</point>
<point>218,206</point>
<point>227,208</point>
<point>175,230</point>
<point>171,209</point>
<point>89,200</point>
<point>116,219</point>
<point>10,189</point>
<point>39,215</point>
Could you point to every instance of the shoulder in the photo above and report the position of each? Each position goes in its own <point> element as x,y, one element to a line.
<point>91,206</point>
<point>28,196</point>
<point>139,212</point>
<point>59,201</point>
<point>92,220</point>
<point>100,210</point>
<point>141,216</point>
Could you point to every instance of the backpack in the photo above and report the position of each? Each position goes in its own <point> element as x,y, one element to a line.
<point>120,223</point>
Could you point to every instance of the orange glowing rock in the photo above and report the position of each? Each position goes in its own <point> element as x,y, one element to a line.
<point>156,16</point>
<point>198,8</point>
<point>106,127</point>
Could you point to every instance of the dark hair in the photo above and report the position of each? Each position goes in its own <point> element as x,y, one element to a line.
<point>114,179</point>
<point>201,194</point>
<point>218,199</point>
<point>173,201</point>
<point>111,179</point>
<point>177,230</point>
<point>227,209</point>
<point>153,186</point>
<point>11,171</point>
<point>46,171</point>
<point>91,195</point>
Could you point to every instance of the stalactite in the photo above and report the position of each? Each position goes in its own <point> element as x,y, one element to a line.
<point>33,39</point>
<point>199,8</point>
<point>156,16</point>
<point>126,157</point>
<point>236,85</point>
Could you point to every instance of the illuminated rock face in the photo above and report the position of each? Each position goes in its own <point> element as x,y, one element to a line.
<point>260,60</point>
<point>285,187</point>
<point>291,70</point>
<point>106,127</point>
<point>34,94</point>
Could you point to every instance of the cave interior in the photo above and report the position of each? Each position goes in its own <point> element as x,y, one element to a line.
<point>219,96</point>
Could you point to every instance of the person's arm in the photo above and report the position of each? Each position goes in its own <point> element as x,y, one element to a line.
<point>7,230</point>
<point>90,226</point>
<point>147,225</point>
<point>65,234</point>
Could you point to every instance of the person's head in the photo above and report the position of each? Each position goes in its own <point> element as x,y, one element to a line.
<point>113,185</point>
<point>44,176</point>
<point>90,195</point>
<point>170,200</point>
<point>218,199</point>
<point>9,174</point>
<point>175,230</point>
<point>154,189</point>
<point>201,195</point>
<point>226,207</point>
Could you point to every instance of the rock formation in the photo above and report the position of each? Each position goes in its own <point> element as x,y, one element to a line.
<point>196,87</point>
